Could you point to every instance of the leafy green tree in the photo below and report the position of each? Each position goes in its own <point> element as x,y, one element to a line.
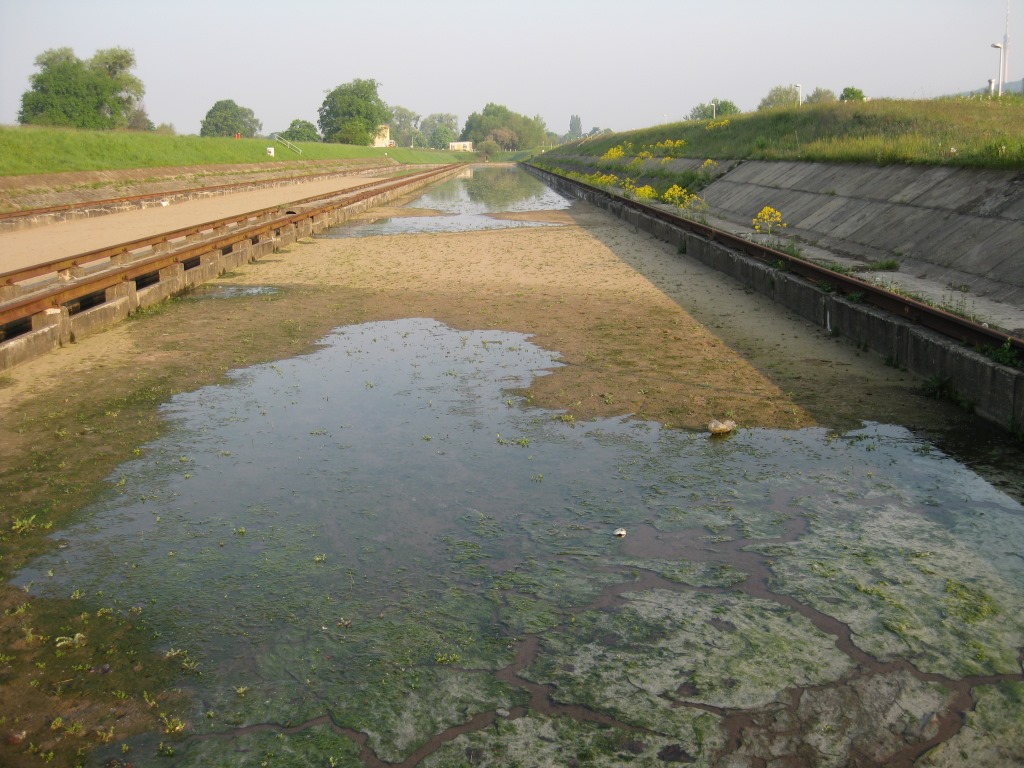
<point>442,136</point>
<point>851,94</point>
<point>487,149</point>
<point>226,118</point>
<point>100,92</point>
<point>480,126</point>
<point>575,128</point>
<point>405,128</point>
<point>439,129</point>
<point>714,108</point>
<point>300,130</point>
<point>821,96</point>
<point>352,113</point>
<point>780,96</point>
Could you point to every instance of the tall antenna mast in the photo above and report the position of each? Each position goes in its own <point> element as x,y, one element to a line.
<point>1006,46</point>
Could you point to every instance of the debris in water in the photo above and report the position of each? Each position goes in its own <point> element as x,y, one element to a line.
<point>716,427</point>
<point>620,533</point>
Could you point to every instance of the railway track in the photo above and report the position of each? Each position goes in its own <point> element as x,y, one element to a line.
<point>861,291</point>
<point>142,272</point>
<point>13,219</point>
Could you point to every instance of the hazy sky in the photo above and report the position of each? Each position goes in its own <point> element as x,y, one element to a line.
<point>618,64</point>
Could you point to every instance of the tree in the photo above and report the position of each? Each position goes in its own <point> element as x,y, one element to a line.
<point>139,120</point>
<point>505,138</point>
<point>575,128</point>
<point>300,130</point>
<point>851,94</point>
<point>439,129</point>
<point>714,108</point>
<point>353,113</point>
<point>405,128</point>
<point>821,96</point>
<point>780,96</point>
<point>97,93</point>
<point>226,118</point>
<point>487,149</point>
<point>480,126</point>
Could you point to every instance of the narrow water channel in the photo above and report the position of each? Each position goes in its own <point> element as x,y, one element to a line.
<point>380,552</point>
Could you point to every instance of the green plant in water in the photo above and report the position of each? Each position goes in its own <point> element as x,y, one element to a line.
<point>24,524</point>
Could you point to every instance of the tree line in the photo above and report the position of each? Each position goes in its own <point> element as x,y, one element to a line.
<point>102,93</point>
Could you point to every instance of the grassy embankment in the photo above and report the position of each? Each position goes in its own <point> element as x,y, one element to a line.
<point>31,150</point>
<point>975,133</point>
<point>673,163</point>
<point>980,133</point>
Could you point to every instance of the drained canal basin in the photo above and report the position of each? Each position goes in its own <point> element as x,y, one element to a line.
<point>382,552</point>
<point>383,538</point>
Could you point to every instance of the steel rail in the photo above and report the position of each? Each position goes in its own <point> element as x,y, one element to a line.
<point>930,317</point>
<point>69,262</point>
<point>158,195</point>
<point>39,301</point>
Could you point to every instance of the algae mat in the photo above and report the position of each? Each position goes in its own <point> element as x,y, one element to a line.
<point>380,552</point>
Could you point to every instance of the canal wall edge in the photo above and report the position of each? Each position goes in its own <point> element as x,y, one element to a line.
<point>994,392</point>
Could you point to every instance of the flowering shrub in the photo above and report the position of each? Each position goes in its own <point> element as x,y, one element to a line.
<point>615,153</point>
<point>602,179</point>
<point>767,220</point>
<point>669,148</point>
<point>676,195</point>
<point>690,205</point>
<point>715,124</point>
<point>709,166</point>
<point>646,192</point>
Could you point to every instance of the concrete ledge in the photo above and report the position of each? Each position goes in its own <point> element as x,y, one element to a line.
<point>97,318</point>
<point>53,328</point>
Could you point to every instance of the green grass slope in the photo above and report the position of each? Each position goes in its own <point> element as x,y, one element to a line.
<point>32,150</point>
<point>975,132</point>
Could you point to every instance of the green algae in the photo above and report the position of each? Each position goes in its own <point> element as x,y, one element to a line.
<point>666,650</point>
<point>918,597</point>
<point>991,733</point>
<point>544,740</point>
<point>313,555</point>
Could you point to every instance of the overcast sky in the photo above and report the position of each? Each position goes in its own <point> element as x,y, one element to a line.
<point>619,64</point>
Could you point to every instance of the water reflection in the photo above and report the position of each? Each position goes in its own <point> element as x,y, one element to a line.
<point>466,204</point>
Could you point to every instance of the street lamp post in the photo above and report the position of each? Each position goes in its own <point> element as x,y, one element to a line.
<point>1001,52</point>
<point>799,95</point>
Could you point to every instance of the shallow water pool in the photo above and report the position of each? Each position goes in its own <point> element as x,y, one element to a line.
<point>382,551</point>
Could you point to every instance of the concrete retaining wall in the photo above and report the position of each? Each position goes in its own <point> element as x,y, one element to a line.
<point>996,392</point>
<point>962,227</point>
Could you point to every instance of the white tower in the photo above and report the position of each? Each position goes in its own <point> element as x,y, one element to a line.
<point>1005,74</point>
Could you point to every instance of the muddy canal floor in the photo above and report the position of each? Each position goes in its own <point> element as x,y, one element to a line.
<point>708,638</point>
